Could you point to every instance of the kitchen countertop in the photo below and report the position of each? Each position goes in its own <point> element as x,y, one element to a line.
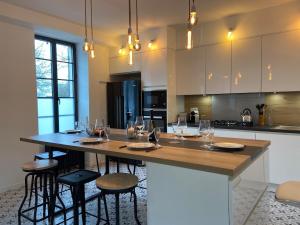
<point>181,156</point>
<point>275,129</point>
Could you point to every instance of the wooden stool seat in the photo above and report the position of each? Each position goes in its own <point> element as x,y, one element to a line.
<point>39,165</point>
<point>117,182</point>
<point>289,192</point>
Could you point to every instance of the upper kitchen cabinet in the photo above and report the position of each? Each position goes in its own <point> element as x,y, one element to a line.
<point>154,68</point>
<point>190,71</point>
<point>120,64</point>
<point>218,68</point>
<point>281,62</point>
<point>246,66</point>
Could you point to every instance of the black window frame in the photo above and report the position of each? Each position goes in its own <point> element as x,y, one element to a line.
<point>54,61</point>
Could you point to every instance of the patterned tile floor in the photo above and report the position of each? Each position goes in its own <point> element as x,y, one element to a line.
<point>266,212</point>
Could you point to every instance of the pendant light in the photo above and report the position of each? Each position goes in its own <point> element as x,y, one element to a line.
<point>189,38</point>
<point>137,44</point>
<point>92,50</point>
<point>193,18</point>
<point>86,46</point>
<point>130,39</point>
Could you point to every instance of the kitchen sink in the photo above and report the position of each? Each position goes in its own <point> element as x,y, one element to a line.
<point>283,127</point>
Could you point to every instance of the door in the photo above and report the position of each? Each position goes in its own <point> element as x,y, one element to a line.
<point>190,71</point>
<point>281,62</point>
<point>218,68</point>
<point>56,84</point>
<point>132,100</point>
<point>115,105</point>
<point>246,66</point>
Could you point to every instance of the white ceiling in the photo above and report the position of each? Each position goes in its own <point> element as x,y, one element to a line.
<point>112,15</point>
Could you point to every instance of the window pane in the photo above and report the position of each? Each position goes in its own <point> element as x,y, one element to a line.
<point>42,49</point>
<point>64,53</point>
<point>65,88</point>
<point>64,71</point>
<point>43,68</point>
<point>46,125</point>
<point>44,88</point>
<point>45,107</point>
<point>66,106</point>
<point>66,123</point>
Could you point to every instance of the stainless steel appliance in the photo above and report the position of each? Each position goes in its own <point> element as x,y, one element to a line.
<point>123,102</point>
<point>159,117</point>
<point>155,99</point>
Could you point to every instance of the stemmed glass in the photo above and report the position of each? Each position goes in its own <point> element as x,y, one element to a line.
<point>181,125</point>
<point>140,125</point>
<point>206,131</point>
<point>107,132</point>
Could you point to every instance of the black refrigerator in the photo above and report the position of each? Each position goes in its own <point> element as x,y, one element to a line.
<point>123,102</point>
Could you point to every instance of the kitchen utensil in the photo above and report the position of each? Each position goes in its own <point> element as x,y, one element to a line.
<point>246,115</point>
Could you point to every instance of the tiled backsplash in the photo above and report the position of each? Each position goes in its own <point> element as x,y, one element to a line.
<point>284,108</point>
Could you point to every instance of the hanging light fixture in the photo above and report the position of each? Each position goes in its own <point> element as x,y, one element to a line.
<point>137,44</point>
<point>92,50</point>
<point>193,18</point>
<point>189,38</point>
<point>86,46</point>
<point>130,39</point>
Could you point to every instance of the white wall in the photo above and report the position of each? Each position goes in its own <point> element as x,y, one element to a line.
<point>18,110</point>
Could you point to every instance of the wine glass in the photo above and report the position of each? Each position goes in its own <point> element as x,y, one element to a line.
<point>204,131</point>
<point>107,132</point>
<point>181,125</point>
<point>140,125</point>
<point>157,133</point>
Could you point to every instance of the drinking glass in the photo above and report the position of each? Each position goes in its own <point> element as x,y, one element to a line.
<point>107,132</point>
<point>181,125</point>
<point>157,132</point>
<point>204,131</point>
<point>211,135</point>
<point>139,125</point>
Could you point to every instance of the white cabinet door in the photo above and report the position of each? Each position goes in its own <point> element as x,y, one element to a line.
<point>246,66</point>
<point>120,64</point>
<point>284,156</point>
<point>190,71</point>
<point>281,62</point>
<point>154,68</point>
<point>218,68</point>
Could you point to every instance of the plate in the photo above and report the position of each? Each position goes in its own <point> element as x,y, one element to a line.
<point>188,135</point>
<point>91,140</point>
<point>140,146</point>
<point>228,145</point>
<point>72,131</point>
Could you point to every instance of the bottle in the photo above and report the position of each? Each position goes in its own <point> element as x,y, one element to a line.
<point>151,128</point>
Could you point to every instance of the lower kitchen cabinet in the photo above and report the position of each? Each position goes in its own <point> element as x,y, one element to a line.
<point>284,156</point>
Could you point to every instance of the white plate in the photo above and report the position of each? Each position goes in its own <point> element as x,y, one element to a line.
<point>140,146</point>
<point>91,140</point>
<point>72,131</point>
<point>228,145</point>
<point>188,135</point>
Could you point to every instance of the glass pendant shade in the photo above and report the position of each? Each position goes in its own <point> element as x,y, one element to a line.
<point>92,51</point>
<point>130,60</point>
<point>189,39</point>
<point>86,46</point>
<point>137,44</point>
<point>193,19</point>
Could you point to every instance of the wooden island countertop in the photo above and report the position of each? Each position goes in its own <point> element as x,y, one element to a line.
<point>210,161</point>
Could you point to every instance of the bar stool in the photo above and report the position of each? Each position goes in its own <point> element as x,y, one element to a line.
<point>76,181</point>
<point>38,170</point>
<point>116,184</point>
<point>289,193</point>
<point>57,155</point>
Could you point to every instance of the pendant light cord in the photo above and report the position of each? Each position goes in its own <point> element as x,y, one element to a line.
<point>129,3</point>
<point>137,17</point>
<point>92,28</point>
<point>189,10</point>
<point>85,19</point>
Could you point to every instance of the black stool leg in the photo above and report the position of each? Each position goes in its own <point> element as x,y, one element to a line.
<point>117,209</point>
<point>35,198</point>
<point>135,208</point>
<point>24,199</point>
<point>99,210</point>
<point>75,206</point>
<point>44,194</point>
<point>97,161</point>
<point>82,203</point>
<point>31,188</point>
<point>106,210</point>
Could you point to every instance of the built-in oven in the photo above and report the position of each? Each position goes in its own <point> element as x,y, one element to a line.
<point>159,117</point>
<point>155,99</point>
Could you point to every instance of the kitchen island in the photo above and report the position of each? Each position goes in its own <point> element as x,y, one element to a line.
<point>186,184</point>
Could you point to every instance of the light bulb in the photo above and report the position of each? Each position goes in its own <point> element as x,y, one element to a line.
<point>137,44</point>
<point>130,62</point>
<point>130,42</point>
<point>92,51</point>
<point>150,45</point>
<point>193,16</point>
<point>230,35</point>
<point>122,51</point>
<point>86,46</point>
<point>189,41</point>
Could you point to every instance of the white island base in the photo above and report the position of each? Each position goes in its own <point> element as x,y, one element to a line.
<point>180,196</point>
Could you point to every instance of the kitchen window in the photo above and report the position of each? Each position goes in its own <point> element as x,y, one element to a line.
<point>55,63</point>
